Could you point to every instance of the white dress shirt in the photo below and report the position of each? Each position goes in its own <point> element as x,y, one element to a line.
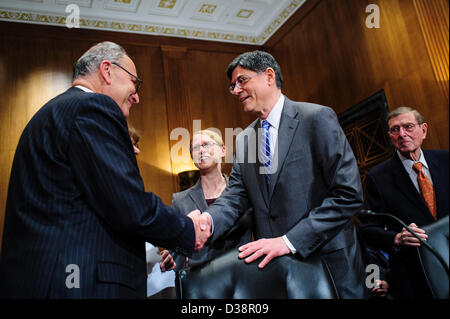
<point>85,89</point>
<point>408,165</point>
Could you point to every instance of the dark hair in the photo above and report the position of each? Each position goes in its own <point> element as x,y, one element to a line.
<point>91,59</point>
<point>257,61</point>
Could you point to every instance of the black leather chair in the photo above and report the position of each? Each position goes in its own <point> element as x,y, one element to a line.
<point>228,277</point>
<point>435,274</point>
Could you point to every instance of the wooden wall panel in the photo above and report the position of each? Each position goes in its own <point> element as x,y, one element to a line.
<point>433,16</point>
<point>330,57</point>
<point>209,98</point>
<point>149,117</point>
<point>178,109</point>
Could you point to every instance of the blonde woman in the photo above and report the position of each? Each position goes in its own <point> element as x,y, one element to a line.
<point>207,151</point>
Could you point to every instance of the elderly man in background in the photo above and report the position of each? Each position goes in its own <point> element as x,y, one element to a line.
<point>413,186</point>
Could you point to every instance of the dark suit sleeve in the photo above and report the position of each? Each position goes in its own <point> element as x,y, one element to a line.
<point>371,228</point>
<point>106,170</point>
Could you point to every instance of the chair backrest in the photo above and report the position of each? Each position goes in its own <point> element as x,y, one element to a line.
<point>228,277</point>
<point>435,274</point>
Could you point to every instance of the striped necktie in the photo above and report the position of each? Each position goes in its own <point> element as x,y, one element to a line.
<point>265,153</point>
<point>426,189</point>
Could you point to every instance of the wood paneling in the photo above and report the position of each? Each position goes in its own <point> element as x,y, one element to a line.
<point>433,19</point>
<point>178,108</point>
<point>332,58</point>
<point>210,101</point>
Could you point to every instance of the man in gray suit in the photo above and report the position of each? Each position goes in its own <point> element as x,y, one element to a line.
<point>298,173</point>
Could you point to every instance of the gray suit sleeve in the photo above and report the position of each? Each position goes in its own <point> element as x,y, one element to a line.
<point>232,204</point>
<point>342,193</point>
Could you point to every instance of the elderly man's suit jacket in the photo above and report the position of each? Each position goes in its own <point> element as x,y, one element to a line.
<point>313,194</point>
<point>77,215</point>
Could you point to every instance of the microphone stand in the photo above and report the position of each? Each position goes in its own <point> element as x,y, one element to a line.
<point>365,212</point>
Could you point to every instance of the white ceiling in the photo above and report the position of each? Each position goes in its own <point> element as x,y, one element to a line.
<point>238,21</point>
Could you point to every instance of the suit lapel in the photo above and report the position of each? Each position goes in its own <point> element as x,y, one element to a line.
<point>197,196</point>
<point>254,142</point>
<point>405,185</point>
<point>286,131</point>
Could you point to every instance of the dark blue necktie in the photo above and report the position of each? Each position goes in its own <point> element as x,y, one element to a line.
<point>266,157</point>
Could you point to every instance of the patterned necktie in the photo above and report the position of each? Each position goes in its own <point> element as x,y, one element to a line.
<point>265,155</point>
<point>426,188</point>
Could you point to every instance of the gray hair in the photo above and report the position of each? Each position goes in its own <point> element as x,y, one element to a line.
<point>405,109</point>
<point>91,59</point>
<point>257,61</point>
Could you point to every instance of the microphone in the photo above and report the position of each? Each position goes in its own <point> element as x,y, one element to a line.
<point>369,213</point>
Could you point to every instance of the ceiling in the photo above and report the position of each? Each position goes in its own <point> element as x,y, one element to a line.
<point>237,21</point>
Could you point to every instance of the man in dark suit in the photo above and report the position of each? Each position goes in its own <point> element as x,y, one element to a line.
<point>77,215</point>
<point>299,174</point>
<point>393,187</point>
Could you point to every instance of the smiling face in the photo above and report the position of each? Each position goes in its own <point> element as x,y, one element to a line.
<point>206,152</point>
<point>259,93</point>
<point>122,89</point>
<point>408,143</point>
<point>254,92</point>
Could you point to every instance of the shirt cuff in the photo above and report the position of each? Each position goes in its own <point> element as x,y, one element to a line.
<point>212,222</point>
<point>288,243</point>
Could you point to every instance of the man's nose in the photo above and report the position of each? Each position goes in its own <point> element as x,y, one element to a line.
<point>402,131</point>
<point>135,98</point>
<point>237,90</point>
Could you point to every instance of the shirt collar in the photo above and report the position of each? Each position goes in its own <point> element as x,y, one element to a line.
<point>275,114</point>
<point>85,89</point>
<point>409,162</point>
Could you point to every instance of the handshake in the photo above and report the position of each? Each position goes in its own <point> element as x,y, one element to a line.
<point>202,224</point>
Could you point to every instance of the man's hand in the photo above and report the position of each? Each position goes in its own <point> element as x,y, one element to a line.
<point>381,288</point>
<point>202,224</point>
<point>167,262</point>
<point>272,247</point>
<point>405,238</point>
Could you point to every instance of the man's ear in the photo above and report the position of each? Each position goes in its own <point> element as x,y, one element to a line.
<point>105,71</point>
<point>271,76</point>
<point>424,130</point>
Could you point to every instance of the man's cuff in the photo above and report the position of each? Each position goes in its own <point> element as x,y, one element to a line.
<point>290,246</point>
<point>212,222</point>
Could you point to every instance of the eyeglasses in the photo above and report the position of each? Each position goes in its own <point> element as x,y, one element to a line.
<point>137,81</point>
<point>205,146</point>
<point>409,127</point>
<point>240,82</point>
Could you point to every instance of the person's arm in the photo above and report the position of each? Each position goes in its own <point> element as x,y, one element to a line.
<point>106,172</point>
<point>372,228</point>
<point>232,204</point>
